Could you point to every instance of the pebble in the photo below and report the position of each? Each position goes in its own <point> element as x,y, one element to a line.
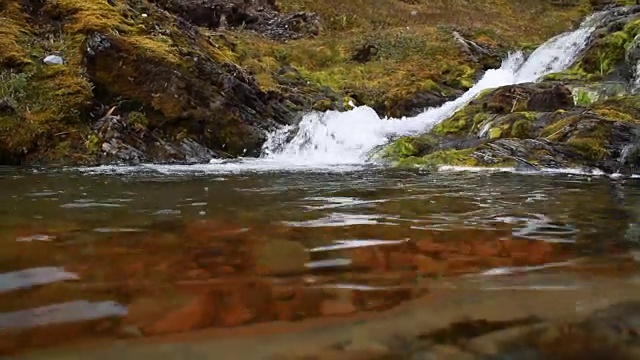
<point>53,60</point>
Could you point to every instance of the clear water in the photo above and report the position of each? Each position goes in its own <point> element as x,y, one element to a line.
<point>93,255</point>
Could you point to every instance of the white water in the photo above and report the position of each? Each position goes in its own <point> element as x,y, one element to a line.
<point>342,141</point>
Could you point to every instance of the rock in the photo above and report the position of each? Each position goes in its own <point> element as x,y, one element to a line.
<point>130,331</point>
<point>281,257</point>
<point>604,56</point>
<point>528,97</point>
<point>6,108</point>
<point>53,60</point>
<point>533,126</point>
<point>632,59</point>
<point>195,314</point>
<point>337,308</point>
<point>610,333</point>
<point>261,16</point>
<point>443,352</point>
<point>364,53</point>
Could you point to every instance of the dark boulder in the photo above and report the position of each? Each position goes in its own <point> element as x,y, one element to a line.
<point>262,16</point>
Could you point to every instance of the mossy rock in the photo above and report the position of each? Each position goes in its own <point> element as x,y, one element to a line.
<point>523,99</point>
<point>441,157</point>
<point>406,147</point>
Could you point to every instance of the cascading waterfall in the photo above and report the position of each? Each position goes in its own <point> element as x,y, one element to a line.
<point>342,138</point>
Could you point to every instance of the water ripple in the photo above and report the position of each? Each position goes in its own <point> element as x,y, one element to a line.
<point>27,278</point>
<point>72,311</point>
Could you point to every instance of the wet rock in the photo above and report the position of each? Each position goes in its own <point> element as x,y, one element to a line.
<point>196,314</point>
<point>528,97</point>
<point>610,333</point>
<point>632,59</point>
<point>211,110</point>
<point>121,140</point>
<point>533,126</point>
<point>584,94</point>
<point>443,352</point>
<point>413,104</point>
<point>337,308</point>
<point>281,257</point>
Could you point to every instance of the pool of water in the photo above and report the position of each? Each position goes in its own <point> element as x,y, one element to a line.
<point>90,253</point>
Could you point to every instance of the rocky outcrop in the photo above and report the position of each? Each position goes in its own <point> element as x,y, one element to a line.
<point>494,130</point>
<point>261,16</point>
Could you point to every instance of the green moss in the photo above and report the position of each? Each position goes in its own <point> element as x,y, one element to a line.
<point>495,133</point>
<point>322,105</point>
<point>591,148</point>
<point>582,98</point>
<point>451,157</point>
<point>87,16</point>
<point>347,101</point>
<point>482,95</point>
<point>553,130</point>
<point>406,147</point>
<point>93,144</point>
<point>138,120</point>
<point>521,129</point>
<point>607,52</point>
<point>620,108</point>
<point>438,158</point>
<point>461,122</point>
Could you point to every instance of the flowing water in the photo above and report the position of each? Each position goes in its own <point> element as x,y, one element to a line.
<point>312,230</point>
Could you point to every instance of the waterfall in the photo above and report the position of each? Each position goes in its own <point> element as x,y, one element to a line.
<point>341,138</point>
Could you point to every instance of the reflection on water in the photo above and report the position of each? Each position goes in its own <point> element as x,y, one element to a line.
<point>150,253</point>
<point>15,280</point>
<point>60,313</point>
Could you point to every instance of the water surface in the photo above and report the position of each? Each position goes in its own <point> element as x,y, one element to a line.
<point>138,253</point>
